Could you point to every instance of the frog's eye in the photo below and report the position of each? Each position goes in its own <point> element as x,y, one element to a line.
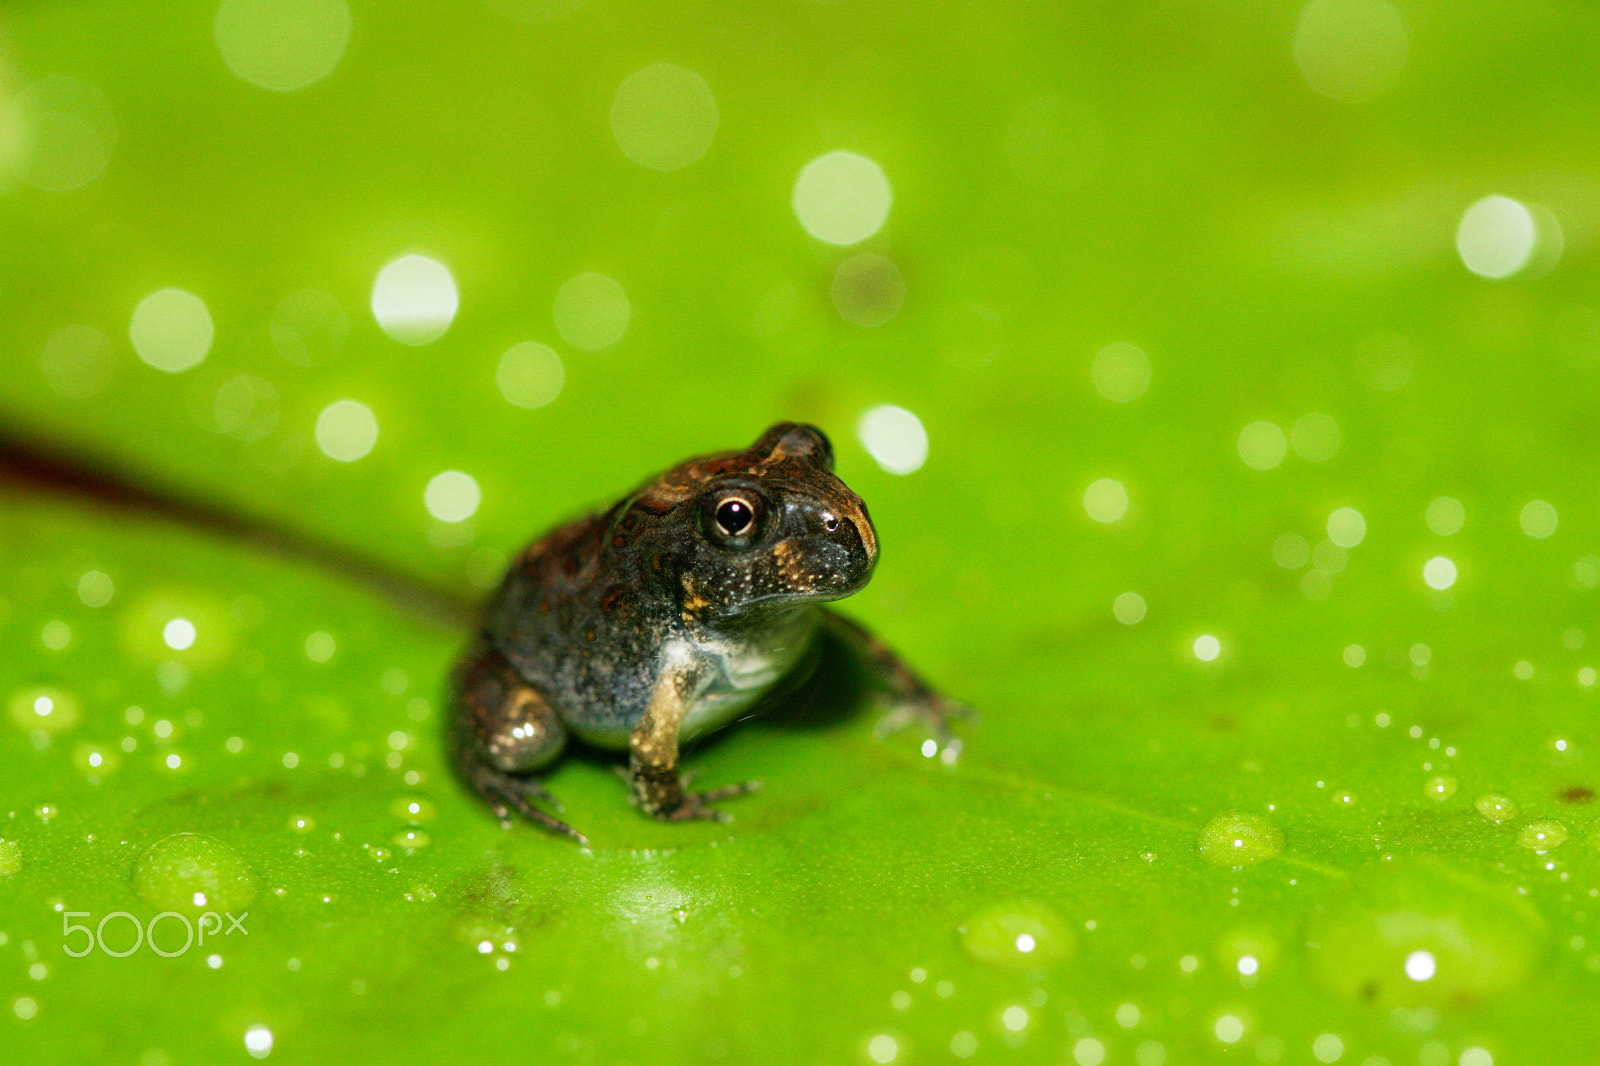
<point>735,515</point>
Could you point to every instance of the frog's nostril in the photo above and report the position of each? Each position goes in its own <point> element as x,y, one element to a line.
<point>830,523</point>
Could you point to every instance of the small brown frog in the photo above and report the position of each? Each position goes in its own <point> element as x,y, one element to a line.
<point>663,618</point>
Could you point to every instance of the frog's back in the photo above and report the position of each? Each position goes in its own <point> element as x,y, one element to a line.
<point>572,625</point>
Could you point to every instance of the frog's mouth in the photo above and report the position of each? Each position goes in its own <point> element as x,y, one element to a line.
<point>828,562</point>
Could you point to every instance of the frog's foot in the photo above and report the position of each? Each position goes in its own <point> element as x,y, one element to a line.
<point>932,712</point>
<point>661,795</point>
<point>508,792</point>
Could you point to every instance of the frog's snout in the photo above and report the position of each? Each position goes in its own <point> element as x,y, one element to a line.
<point>847,528</point>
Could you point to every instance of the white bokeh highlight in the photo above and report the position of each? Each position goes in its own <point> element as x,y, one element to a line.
<point>171,330</point>
<point>842,198</point>
<point>894,437</point>
<point>414,299</point>
<point>346,430</point>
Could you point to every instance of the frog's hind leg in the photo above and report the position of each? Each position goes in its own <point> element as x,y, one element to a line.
<point>913,698</point>
<point>503,728</point>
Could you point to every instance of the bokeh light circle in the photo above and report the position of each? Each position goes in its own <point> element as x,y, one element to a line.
<point>664,117</point>
<point>1350,50</point>
<point>414,299</point>
<point>842,198</point>
<point>591,311</point>
<point>1496,237</point>
<point>1105,500</point>
<point>282,45</point>
<point>1120,372</point>
<point>894,437</point>
<point>530,375</point>
<point>1262,445</point>
<point>868,289</point>
<point>347,430</point>
<point>171,330</point>
<point>452,496</point>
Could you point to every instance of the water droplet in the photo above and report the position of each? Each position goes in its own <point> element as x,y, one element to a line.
<point>43,708</point>
<point>188,873</point>
<point>1496,809</point>
<point>413,809</point>
<point>883,1048</point>
<point>412,837</point>
<point>302,823</point>
<point>1238,838</point>
<point>10,857</point>
<point>184,628</point>
<point>1483,937</point>
<point>1439,788</point>
<point>1542,835</point>
<point>95,761</point>
<point>994,936</point>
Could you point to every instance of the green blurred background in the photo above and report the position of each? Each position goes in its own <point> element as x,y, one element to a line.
<point>1223,381</point>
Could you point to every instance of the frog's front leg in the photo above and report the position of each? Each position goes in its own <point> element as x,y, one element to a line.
<point>655,783</point>
<point>504,729</point>
<point>913,698</point>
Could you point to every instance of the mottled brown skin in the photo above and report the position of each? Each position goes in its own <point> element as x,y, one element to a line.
<point>666,616</point>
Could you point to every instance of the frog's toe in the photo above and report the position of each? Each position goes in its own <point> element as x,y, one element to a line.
<point>936,714</point>
<point>713,795</point>
<point>506,793</point>
<point>696,806</point>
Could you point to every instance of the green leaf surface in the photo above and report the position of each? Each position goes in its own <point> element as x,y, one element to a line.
<point>1300,802</point>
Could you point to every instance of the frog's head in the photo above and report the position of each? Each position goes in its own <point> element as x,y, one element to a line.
<point>771,525</point>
